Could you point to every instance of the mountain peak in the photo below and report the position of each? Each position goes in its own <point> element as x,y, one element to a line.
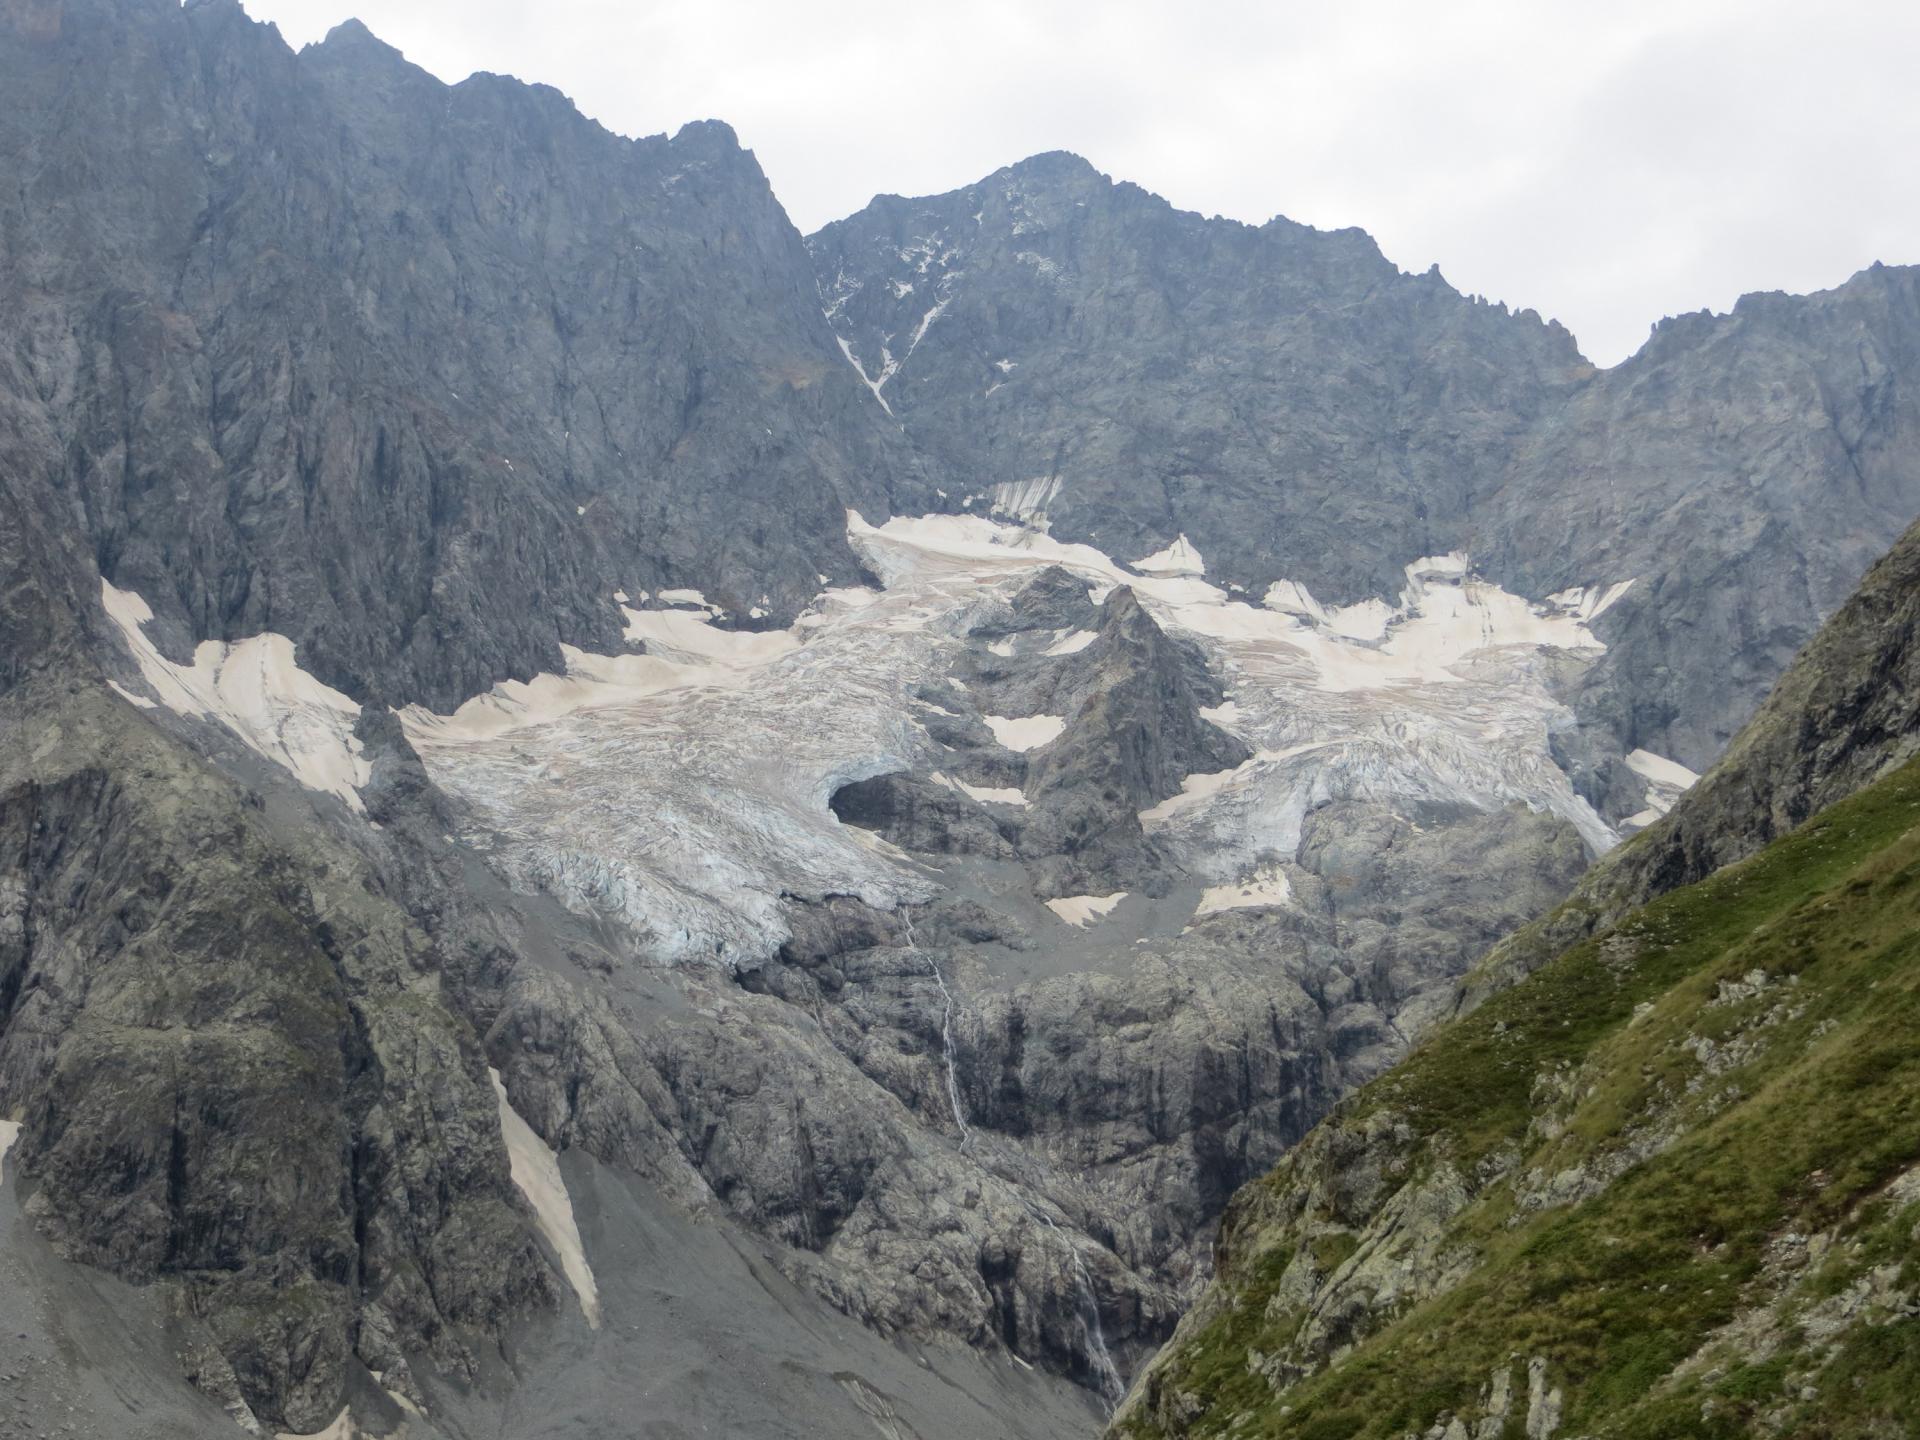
<point>1056,166</point>
<point>712,135</point>
<point>354,31</point>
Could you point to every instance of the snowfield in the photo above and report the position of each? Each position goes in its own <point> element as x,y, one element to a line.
<point>254,688</point>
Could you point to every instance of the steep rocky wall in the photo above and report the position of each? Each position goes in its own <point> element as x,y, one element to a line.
<point>416,375</point>
<point>237,1075</point>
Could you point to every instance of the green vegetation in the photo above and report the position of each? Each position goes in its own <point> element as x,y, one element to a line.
<point>1650,1131</point>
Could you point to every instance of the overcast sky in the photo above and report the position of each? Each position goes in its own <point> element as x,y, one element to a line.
<point>1605,162</point>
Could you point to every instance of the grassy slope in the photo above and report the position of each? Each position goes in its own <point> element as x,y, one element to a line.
<point>1778,1114</point>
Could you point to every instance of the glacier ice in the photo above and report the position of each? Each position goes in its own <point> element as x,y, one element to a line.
<point>685,791</point>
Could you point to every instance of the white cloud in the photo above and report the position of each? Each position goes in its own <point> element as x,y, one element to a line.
<point>1604,164</point>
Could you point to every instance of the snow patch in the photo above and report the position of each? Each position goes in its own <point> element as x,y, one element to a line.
<point>686,597</point>
<point>1085,910</point>
<point>536,1171</point>
<point>139,702</point>
<point>255,689</point>
<point>920,330</point>
<point>9,1132</point>
<point>1195,789</point>
<point>861,371</point>
<point>693,638</point>
<point>1667,780</point>
<point>1027,732</point>
<point>1660,770</point>
<point>1073,642</point>
<point>1179,558</point>
<point>1048,270</point>
<point>342,1428</point>
<point>989,795</point>
<point>685,652</point>
<point>1268,885</point>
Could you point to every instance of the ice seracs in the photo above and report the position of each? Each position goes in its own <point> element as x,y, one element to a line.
<point>1026,501</point>
<point>684,791</point>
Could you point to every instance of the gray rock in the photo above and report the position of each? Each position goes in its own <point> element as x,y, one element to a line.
<point>1302,410</point>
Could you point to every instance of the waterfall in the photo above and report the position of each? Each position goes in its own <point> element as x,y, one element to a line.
<point>1112,1389</point>
<point>946,1049</point>
<point>946,1037</point>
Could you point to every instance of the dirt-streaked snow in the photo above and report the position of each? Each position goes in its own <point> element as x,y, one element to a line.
<point>1085,910</point>
<point>255,689</point>
<point>1025,732</point>
<point>9,1132</point>
<point>1267,885</point>
<point>536,1170</point>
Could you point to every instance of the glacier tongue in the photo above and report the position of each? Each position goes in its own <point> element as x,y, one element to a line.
<point>685,791</point>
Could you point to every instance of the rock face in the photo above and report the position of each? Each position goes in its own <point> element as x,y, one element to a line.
<point>461,611</point>
<point>1302,411</point>
<point>235,1072</point>
<point>416,375</point>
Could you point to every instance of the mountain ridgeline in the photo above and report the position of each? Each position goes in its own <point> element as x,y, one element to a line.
<point>612,816</point>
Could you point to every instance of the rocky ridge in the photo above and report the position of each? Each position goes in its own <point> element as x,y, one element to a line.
<point>1657,1170</point>
<point>1303,411</point>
